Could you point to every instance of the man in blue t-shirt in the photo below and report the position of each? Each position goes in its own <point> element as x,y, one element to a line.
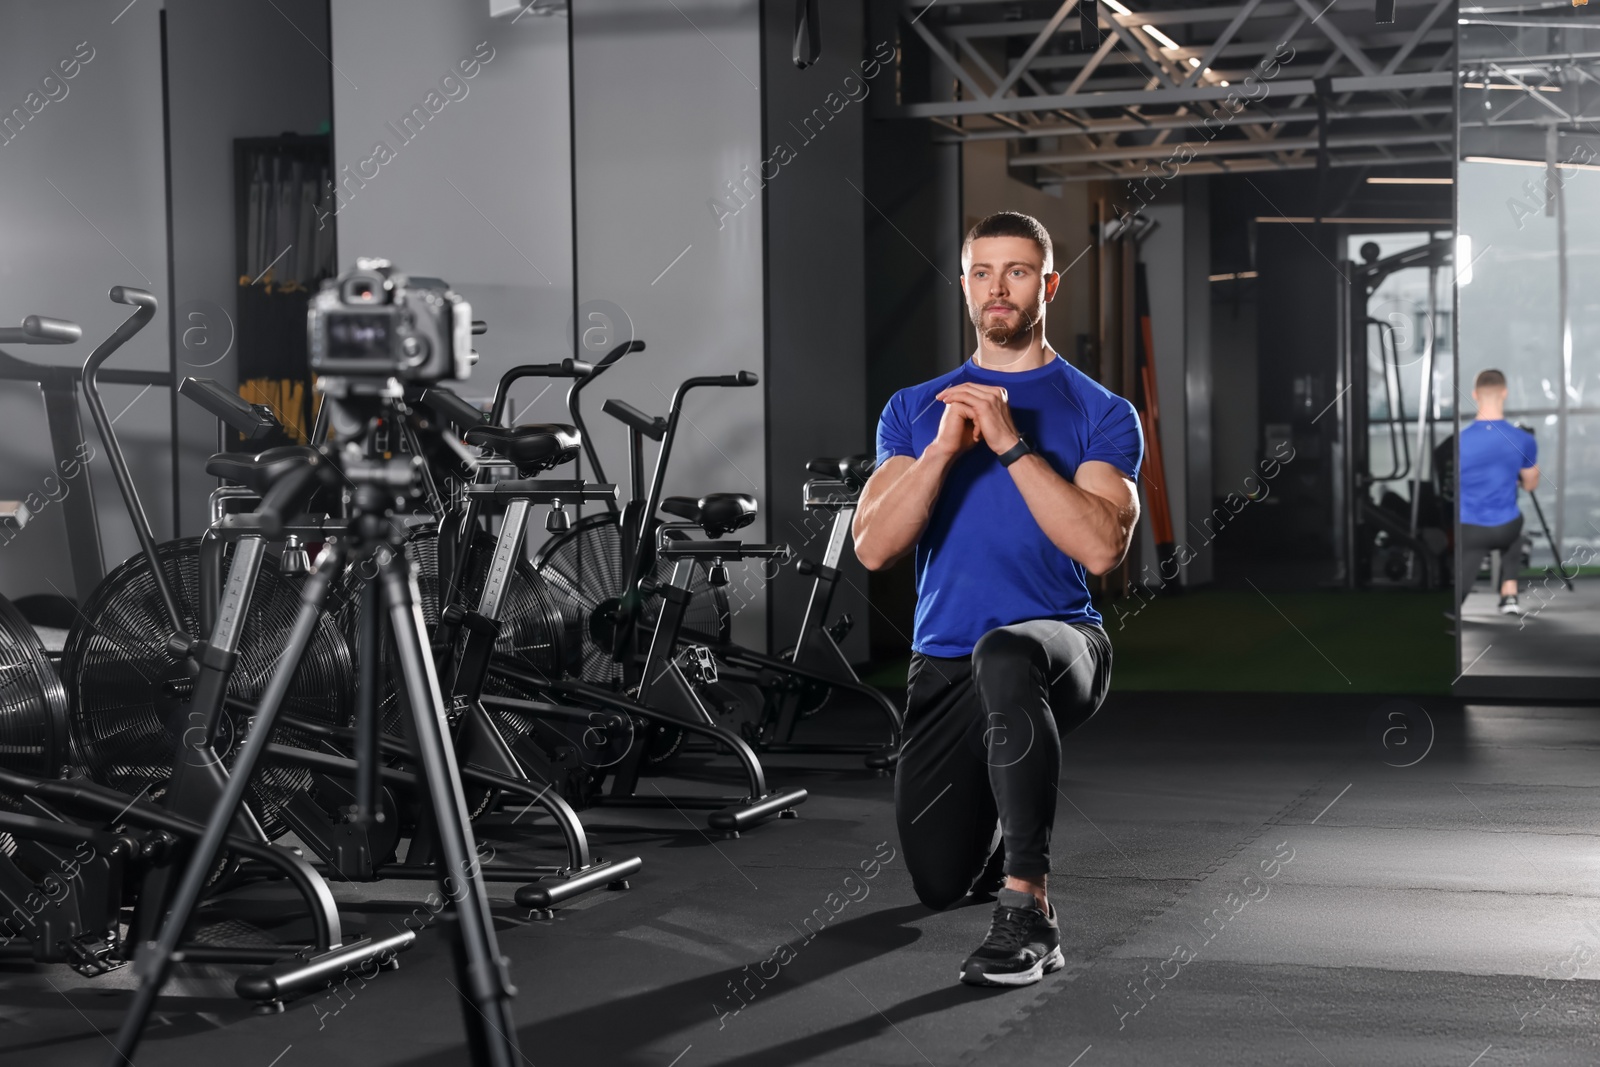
<point>1009,478</point>
<point>1495,458</point>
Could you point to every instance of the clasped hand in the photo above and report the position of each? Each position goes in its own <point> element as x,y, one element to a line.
<point>974,413</point>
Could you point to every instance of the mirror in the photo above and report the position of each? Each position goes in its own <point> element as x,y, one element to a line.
<point>1527,247</point>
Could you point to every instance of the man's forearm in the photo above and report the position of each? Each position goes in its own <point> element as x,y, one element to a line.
<point>887,526</point>
<point>1082,525</point>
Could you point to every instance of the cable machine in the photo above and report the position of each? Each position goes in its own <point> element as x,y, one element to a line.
<point>1404,541</point>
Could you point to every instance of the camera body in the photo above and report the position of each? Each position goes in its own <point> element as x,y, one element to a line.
<point>376,323</point>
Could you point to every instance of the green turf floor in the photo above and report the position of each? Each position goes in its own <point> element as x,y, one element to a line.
<point>1241,640</point>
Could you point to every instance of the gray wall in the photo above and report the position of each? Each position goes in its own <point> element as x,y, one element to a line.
<point>817,290</point>
<point>481,196</point>
<point>82,209</point>
<point>220,57</point>
<point>667,109</point>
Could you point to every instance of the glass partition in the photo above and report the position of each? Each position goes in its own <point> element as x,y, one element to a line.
<point>1527,253</point>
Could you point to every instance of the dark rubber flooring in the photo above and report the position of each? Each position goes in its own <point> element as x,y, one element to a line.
<point>1241,880</point>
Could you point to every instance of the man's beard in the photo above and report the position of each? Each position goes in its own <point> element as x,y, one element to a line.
<point>1002,333</point>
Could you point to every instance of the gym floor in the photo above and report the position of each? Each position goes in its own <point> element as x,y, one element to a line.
<point>1547,652</point>
<point>1255,879</point>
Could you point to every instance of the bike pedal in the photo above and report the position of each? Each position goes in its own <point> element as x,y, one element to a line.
<point>699,665</point>
<point>91,956</point>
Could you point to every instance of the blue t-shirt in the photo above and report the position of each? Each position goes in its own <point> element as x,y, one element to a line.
<point>983,561</point>
<point>1492,452</point>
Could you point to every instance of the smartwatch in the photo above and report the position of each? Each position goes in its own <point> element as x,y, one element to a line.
<point>1016,451</point>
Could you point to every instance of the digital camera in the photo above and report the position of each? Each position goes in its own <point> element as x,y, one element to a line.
<point>376,323</point>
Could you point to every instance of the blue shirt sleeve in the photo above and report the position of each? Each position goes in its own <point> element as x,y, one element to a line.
<point>1529,451</point>
<point>894,431</point>
<point>1117,439</point>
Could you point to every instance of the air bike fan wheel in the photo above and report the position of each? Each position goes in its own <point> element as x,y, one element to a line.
<point>33,703</point>
<point>530,634</point>
<point>129,692</point>
<point>583,570</point>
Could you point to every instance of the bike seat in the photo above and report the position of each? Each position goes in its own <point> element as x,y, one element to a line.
<point>855,470</point>
<point>715,513</point>
<point>851,470</point>
<point>259,471</point>
<point>533,448</point>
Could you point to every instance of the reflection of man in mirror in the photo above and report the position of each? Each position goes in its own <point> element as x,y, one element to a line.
<point>1496,457</point>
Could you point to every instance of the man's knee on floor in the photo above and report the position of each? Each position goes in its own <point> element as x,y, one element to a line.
<point>940,893</point>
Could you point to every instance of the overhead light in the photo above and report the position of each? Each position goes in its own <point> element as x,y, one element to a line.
<point>1360,221</point>
<point>1411,181</point>
<point>1497,85</point>
<point>1118,8</point>
<point>1193,62</point>
<point>1463,259</point>
<point>1528,162</point>
<point>1231,277</point>
<point>1163,38</point>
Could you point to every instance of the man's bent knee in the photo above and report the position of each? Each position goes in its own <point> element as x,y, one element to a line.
<point>1007,650</point>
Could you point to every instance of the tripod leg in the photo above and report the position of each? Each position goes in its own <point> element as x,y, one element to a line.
<point>154,960</point>
<point>1555,549</point>
<point>485,986</point>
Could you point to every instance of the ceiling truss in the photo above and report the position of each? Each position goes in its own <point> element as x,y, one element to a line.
<point>1163,84</point>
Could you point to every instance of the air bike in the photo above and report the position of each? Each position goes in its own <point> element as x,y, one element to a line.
<point>563,727</point>
<point>106,780</point>
<point>320,816</point>
<point>372,331</point>
<point>613,579</point>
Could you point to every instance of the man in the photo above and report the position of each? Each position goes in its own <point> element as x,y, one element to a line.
<point>1496,457</point>
<point>1010,477</point>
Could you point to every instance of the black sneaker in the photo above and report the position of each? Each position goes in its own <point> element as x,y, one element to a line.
<point>1023,945</point>
<point>1509,606</point>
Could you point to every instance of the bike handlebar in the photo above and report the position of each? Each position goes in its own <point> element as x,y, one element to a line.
<point>652,426</point>
<point>42,330</point>
<point>450,407</point>
<point>254,421</point>
<point>144,304</point>
<point>127,294</point>
<point>567,368</point>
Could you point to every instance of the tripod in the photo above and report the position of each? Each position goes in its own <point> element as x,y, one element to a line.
<point>1555,549</point>
<point>373,542</point>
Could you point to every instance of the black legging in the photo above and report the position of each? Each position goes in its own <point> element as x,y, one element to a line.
<point>1479,541</point>
<point>983,750</point>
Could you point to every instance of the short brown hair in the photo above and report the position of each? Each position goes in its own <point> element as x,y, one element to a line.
<point>1489,379</point>
<point>1010,224</point>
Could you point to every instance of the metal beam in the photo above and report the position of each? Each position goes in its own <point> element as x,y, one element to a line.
<point>1174,17</point>
<point>1340,41</point>
<point>1301,45</point>
<point>937,47</point>
<point>1157,97</point>
<point>1222,42</point>
<point>1142,47</point>
<point>1530,90</point>
<point>1419,36</point>
<point>1240,166</point>
<point>1035,47</point>
<point>1099,57</point>
<point>1178,122</point>
<point>1228,148</point>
